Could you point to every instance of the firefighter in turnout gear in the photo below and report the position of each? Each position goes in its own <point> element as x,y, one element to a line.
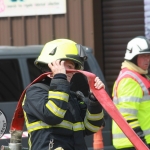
<point>131,93</point>
<point>55,116</point>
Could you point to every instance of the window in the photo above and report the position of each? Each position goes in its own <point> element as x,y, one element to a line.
<point>34,72</point>
<point>11,85</point>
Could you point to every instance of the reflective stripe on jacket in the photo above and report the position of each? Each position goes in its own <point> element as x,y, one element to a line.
<point>132,97</point>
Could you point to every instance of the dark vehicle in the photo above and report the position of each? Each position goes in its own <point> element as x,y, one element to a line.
<point>17,70</point>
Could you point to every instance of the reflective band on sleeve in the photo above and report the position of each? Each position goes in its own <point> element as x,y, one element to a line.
<point>55,109</point>
<point>126,99</point>
<point>65,124</point>
<point>130,117</point>
<point>78,126</point>
<point>90,127</point>
<point>128,111</point>
<point>134,124</point>
<point>146,132</point>
<point>94,117</point>
<point>58,95</point>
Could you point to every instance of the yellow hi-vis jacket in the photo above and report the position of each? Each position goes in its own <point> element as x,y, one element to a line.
<point>131,95</point>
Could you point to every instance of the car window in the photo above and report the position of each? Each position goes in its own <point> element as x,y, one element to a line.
<point>34,72</point>
<point>86,67</point>
<point>11,85</point>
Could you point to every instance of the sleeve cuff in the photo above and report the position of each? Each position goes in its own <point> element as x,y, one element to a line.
<point>60,76</point>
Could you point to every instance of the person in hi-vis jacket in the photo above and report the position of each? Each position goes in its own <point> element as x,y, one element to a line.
<point>59,117</point>
<point>131,93</point>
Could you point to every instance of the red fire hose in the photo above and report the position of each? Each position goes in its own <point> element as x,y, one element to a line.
<point>102,97</point>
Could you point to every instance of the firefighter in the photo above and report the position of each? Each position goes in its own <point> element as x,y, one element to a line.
<point>131,93</point>
<point>59,117</point>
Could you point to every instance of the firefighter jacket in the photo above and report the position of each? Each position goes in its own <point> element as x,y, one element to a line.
<point>131,95</point>
<point>58,118</point>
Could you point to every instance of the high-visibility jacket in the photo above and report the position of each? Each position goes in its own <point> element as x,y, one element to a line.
<point>58,118</point>
<point>131,95</point>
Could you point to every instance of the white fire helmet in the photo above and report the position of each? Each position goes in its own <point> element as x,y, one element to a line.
<point>138,45</point>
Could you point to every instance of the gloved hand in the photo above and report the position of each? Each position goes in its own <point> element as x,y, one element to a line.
<point>92,97</point>
<point>81,97</point>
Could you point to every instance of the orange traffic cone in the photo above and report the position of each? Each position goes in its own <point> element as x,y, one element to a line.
<point>98,141</point>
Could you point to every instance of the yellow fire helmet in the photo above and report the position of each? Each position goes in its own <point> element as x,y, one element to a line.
<point>62,49</point>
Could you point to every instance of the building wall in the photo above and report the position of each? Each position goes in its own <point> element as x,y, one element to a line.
<point>76,24</point>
